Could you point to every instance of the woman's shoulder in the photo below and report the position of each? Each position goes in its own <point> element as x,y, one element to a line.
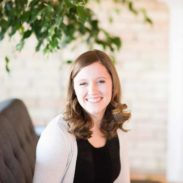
<point>123,136</point>
<point>59,122</point>
<point>121,132</point>
<point>57,128</point>
<point>56,137</point>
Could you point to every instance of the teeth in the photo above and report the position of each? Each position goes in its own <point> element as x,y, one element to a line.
<point>94,100</point>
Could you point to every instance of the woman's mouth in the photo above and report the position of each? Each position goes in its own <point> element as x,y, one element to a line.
<point>94,99</point>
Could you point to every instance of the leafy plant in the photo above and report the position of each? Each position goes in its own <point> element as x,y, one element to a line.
<point>57,23</point>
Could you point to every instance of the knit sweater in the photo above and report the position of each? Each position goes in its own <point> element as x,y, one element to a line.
<point>56,155</point>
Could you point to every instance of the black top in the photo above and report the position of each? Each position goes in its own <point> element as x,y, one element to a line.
<point>97,165</point>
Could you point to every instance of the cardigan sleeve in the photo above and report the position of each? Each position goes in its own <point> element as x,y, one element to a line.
<point>52,154</point>
<point>124,176</point>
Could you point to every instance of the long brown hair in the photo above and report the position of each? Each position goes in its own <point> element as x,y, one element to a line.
<point>115,115</point>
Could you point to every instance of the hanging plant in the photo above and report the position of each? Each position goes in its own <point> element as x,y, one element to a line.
<point>57,23</point>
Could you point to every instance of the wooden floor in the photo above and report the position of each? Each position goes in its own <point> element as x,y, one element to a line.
<point>144,181</point>
<point>141,178</point>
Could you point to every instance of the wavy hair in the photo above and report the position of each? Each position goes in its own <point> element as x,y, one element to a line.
<point>115,115</point>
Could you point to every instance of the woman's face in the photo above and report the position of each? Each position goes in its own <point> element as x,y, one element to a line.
<point>93,89</point>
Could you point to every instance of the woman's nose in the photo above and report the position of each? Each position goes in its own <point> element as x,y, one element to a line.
<point>92,88</point>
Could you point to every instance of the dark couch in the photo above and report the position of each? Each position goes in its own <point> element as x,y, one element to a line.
<point>17,143</point>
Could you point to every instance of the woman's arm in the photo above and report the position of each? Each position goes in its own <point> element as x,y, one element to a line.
<point>52,154</point>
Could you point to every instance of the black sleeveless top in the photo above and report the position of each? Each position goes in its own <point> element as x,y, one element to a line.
<point>97,165</point>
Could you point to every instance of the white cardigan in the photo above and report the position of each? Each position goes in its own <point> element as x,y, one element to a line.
<point>56,155</point>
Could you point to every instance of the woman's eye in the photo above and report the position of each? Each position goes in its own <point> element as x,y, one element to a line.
<point>83,84</point>
<point>101,81</point>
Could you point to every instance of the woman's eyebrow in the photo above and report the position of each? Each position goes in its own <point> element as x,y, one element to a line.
<point>80,80</point>
<point>101,77</point>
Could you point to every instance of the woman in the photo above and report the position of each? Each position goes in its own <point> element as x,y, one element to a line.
<point>88,143</point>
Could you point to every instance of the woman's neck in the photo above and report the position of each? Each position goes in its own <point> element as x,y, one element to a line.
<point>97,139</point>
<point>97,120</point>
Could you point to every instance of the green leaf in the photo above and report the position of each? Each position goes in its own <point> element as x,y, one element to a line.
<point>8,7</point>
<point>69,61</point>
<point>146,17</point>
<point>16,25</point>
<point>7,61</point>
<point>131,8</point>
<point>27,34</point>
<point>83,13</point>
<point>148,20</point>
<point>4,27</point>
<point>116,41</point>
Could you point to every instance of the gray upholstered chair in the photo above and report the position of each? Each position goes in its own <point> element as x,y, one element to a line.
<point>17,143</point>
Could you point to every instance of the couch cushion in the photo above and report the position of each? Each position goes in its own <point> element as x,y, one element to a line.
<point>17,143</point>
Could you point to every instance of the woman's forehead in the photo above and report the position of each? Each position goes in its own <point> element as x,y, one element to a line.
<point>93,70</point>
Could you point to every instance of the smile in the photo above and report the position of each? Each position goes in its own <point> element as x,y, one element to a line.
<point>94,99</point>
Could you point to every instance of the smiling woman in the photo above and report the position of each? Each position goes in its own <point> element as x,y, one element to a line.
<point>89,139</point>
